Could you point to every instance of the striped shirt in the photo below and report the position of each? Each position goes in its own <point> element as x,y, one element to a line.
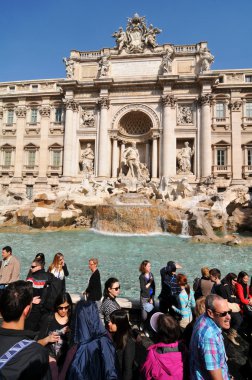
<point>108,305</point>
<point>207,351</point>
<point>185,305</point>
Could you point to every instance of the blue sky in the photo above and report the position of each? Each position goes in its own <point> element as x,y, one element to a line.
<point>35,35</point>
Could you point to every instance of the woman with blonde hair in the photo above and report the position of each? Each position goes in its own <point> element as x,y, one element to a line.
<point>59,268</point>
<point>186,301</point>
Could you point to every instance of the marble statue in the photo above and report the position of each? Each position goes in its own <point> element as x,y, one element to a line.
<point>150,36</point>
<point>103,66</point>
<point>87,118</point>
<point>121,39</point>
<point>87,160</point>
<point>184,159</point>
<point>167,59</point>
<point>184,189</point>
<point>206,59</point>
<point>137,36</point>
<point>185,115</point>
<point>132,159</point>
<point>165,189</point>
<point>69,63</point>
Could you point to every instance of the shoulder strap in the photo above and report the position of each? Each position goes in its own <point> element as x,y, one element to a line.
<point>14,350</point>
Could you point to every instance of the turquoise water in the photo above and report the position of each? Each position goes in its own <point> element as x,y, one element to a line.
<point>120,256</point>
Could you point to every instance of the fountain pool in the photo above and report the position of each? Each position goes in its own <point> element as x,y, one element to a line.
<point>120,255</point>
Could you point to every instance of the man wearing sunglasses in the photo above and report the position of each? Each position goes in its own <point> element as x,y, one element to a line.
<point>207,351</point>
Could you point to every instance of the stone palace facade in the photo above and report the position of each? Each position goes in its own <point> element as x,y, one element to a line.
<point>164,98</point>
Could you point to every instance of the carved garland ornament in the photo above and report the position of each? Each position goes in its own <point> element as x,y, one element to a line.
<point>21,112</point>
<point>168,101</point>
<point>71,105</point>
<point>205,99</point>
<point>235,106</point>
<point>45,111</point>
<point>103,102</point>
<point>136,107</point>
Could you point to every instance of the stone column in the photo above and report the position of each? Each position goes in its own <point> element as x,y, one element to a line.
<point>205,136</point>
<point>147,154</point>
<point>21,121</point>
<point>169,138</point>
<point>45,112</point>
<point>235,108</point>
<point>115,162</point>
<point>104,149</point>
<point>154,158</point>
<point>71,107</point>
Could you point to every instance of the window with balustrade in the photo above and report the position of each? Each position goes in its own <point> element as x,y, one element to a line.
<point>58,115</point>
<point>248,109</point>
<point>56,158</point>
<point>34,116</point>
<point>10,117</point>
<point>221,157</point>
<point>31,157</point>
<point>249,155</point>
<point>220,111</point>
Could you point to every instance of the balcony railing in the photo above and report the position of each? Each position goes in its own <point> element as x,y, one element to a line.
<point>221,170</point>
<point>7,169</point>
<point>30,169</point>
<point>221,122</point>
<point>246,171</point>
<point>54,170</point>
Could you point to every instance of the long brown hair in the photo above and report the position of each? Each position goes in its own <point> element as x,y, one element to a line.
<point>182,281</point>
<point>56,262</point>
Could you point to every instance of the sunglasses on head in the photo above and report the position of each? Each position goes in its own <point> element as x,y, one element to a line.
<point>63,307</point>
<point>223,314</point>
<point>117,288</point>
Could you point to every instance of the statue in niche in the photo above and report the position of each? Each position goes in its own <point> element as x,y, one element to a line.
<point>137,36</point>
<point>185,115</point>
<point>167,59</point>
<point>132,159</point>
<point>103,66</point>
<point>87,160</point>
<point>69,63</point>
<point>87,118</point>
<point>184,159</point>
<point>206,59</point>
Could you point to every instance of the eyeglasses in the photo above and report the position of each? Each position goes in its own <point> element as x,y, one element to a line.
<point>117,288</point>
<point>63,307</point>
<point>223,314</point>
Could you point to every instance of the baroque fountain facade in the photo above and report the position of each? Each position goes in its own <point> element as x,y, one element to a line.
<point>140,138</point>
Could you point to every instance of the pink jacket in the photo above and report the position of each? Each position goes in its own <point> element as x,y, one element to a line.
<point>166,365</point>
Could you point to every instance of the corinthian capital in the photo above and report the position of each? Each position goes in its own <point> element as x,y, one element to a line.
<point>103,102</point>
<point>71,105</point>
<point>168,100</point>
<point>205,99</point>
<point>45,111</point>
<point>21,112</point>
<point>235,106</point>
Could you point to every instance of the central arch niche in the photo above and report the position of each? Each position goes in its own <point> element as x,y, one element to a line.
<point>135,123</point>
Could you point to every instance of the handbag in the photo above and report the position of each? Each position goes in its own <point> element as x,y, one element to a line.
<point>235,307</point>
<point>148,307</point>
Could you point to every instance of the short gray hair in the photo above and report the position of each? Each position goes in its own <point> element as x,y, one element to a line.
<point>210,299</point>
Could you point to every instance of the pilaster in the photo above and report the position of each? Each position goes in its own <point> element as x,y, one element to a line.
<point>205,136</point>
<point>104,149</point>
<point>169,139</point>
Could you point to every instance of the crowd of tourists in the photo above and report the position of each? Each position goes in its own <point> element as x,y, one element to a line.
<point>183,333</point>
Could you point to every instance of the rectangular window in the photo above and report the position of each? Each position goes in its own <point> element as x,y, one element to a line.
<point>220,111</point>
<point>12,88</point>
<point>56,156</point>
<point>249,109</point>
<point>221,157</point>
<point>31,157</point>
<point>34,115</point>
<point>34,87</point>
<point>58,115</point>
<point>250,156</point>
<point>10,117</point>
<point>248,78</point>
<point>7,157</point>
<point>29,191</point>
